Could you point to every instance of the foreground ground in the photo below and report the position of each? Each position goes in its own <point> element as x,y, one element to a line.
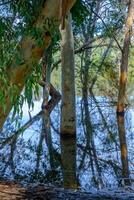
<point>12,191</point>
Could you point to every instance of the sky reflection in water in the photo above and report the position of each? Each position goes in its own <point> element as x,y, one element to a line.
<point>31,157</point>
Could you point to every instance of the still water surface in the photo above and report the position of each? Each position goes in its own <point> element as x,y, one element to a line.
<point>92,161</point>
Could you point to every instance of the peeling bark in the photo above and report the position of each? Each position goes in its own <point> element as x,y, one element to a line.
<point>124,59</point>
<point>122,93</point>
<point>68,112</point>
<point>55,97</point>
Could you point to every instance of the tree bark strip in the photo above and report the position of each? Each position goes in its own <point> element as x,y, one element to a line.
<point>68,111</point>
<point>122,92</point>
<point>124,59</point>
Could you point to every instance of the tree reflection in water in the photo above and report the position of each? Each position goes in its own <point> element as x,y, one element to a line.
<point>68,162</point>
<point>24,156</point>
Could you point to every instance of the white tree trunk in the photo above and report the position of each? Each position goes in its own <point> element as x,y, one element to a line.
<point>68,112</point>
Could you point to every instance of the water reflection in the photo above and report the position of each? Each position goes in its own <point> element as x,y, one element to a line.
<point>68,160</point>
<point>96,160</point>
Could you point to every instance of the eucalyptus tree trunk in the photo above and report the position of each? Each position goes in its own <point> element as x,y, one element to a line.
<point>68,111</point>
<point>46,129</point>
<point>30,52</point>
<point>48,104</point>
<point>122,92</point>
<point>124,151</point>
<point>124,59</point>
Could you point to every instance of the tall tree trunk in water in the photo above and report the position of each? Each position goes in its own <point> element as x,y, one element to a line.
<point>68,111</point>
<point>123,149</point>
<point>31,52</point>
<point>124,59</point>
<point>46,129</point>
<point>48,104</point>
<point>122,91</point>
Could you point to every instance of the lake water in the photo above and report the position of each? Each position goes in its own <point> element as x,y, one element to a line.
<point>93,161</point>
